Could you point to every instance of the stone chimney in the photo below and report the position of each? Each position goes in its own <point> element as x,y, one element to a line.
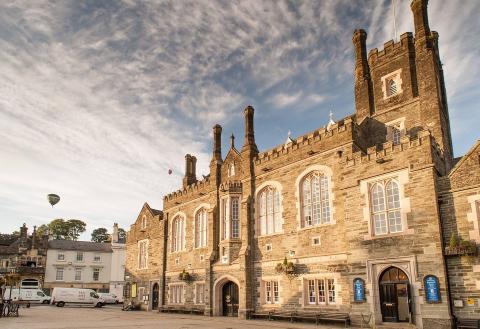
<point>190,170</point>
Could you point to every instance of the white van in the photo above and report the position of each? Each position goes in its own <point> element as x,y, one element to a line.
<point>76,296</point>
<point>27,294</point>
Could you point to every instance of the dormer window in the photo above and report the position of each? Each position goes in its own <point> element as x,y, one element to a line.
<point>392,84</point>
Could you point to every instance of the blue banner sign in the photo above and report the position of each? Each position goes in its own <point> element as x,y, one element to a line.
<point>358,290</point>
<point>432,289</point>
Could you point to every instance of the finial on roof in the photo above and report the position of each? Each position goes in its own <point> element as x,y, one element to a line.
<point>289,140</point>
<point>232,141</point>
<point>330,122</point>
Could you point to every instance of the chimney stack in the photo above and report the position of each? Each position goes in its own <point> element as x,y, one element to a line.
<point>217,143</point>
<point>190,168</point>
<point>249,131</point>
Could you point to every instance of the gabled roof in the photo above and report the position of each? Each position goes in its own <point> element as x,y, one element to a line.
<point>467,155</point>
<point>154,212</point>
<point>79,245</point>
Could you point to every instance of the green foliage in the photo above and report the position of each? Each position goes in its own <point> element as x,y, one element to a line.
<point>453,241</point>
<point>122,235</point>
<point>100,234</point>
<point>66,229</point>
<point>42,230</point>
<point>75,228</point>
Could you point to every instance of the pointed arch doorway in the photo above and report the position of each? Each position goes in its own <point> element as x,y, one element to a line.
<point>230,299</point>
<point>394,295</point>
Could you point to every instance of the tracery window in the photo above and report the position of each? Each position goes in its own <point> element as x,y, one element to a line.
<point>178,233</point>
<point>385,207</point>
<point>269,212</point>
<point>201,220</point>
<point>315,199</point>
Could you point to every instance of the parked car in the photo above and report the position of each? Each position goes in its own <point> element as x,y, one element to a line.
<point>28,295</point>
<point>76,296</point>
<point>109,298</point>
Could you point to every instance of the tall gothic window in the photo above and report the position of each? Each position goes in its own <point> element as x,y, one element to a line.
<point>315,199</point>
<point>201,220</point>
<point>178,233</point>
<point>234,217</point>
<point>385,207</point>
<point>269,215</point>
<point>143,254</point>
<point>230,217</point>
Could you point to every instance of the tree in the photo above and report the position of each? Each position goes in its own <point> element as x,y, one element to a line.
<point>66,230</point>
<point>75,227</point>
<point>58,229</point>
<point>100,234</point>
<point>122,235</point>
<point>42,230</point>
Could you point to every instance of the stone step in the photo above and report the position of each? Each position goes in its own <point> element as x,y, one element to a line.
<point>395,326</point>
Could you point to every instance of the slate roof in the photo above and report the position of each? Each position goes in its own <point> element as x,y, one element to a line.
<point>79,245</point>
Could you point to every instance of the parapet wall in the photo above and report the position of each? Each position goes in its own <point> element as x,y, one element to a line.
<point>198,188</point>
<point>335,135</point>
<point>386,151</point>
<point>391,49</point>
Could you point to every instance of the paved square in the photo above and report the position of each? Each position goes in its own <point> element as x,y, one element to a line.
<point>51,317</point>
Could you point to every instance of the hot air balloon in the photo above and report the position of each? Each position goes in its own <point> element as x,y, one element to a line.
<point>170,171</point>
<point>53,199</point>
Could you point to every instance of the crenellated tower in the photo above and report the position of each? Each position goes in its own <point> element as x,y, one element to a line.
<point>400,90</point>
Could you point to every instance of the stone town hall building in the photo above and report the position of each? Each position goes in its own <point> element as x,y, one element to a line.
<point>373,212</point>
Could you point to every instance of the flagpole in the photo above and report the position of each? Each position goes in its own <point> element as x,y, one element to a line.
<point>394,22</point>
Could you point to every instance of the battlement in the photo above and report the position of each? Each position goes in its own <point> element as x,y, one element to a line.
<point>317,136</point>
<point>233,186</point>
<point>197,187</point>
<point>388,150</point>
<point>391,49</point>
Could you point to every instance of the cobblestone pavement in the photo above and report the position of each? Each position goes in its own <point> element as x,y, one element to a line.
<point>112,317</point>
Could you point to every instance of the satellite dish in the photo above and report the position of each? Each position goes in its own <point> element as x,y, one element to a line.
<point>53,199</point>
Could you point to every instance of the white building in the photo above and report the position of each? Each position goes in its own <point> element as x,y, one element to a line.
<point>85,264</point>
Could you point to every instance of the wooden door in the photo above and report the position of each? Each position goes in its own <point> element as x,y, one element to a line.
<point>388,300</point>
<point>230,299</point>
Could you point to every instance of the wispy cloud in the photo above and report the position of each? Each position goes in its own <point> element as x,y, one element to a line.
<point>99,99</point>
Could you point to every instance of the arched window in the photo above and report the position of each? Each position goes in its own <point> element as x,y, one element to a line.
<point>231,169</point>
<point>144,222</point>
<point>391,87</point>
<point>269,215</point>
<point>201,220</point>
<point>178,233</point>
<point>385,207</point>
<point>315,199</point>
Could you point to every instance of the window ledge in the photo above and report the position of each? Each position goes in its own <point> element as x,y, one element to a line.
<point>409,231</point>
<point>270,235</point>
<point>332,222</point>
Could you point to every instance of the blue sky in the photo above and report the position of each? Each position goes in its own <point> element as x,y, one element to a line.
<point>98,99</point>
